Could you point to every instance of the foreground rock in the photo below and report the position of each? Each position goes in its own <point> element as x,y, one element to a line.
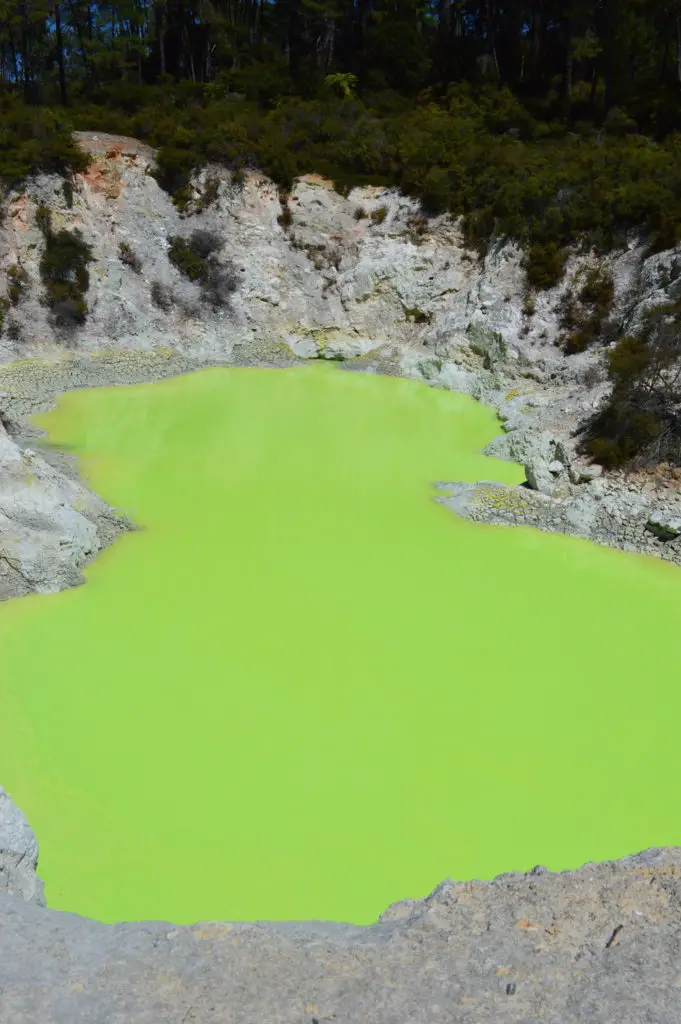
<point>328,280</point>
<point>600,944</point>
<point>50,524</point>
<point>18,854</point>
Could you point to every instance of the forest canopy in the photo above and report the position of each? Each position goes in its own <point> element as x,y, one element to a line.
<point>548,121</point>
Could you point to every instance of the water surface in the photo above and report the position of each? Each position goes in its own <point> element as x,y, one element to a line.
<point>304,689</point>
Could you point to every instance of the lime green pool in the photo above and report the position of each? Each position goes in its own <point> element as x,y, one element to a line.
<point>306,690</point>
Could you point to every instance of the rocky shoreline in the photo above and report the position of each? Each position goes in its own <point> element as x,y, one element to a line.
<point>598,944</point>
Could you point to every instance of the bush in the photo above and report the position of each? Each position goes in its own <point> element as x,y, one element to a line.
<point>17,280</point>
<point>43,218</point>
<point>67,189</point>
<point>211,191</point>
<point>544,265</point>
<point>583,317</point>
<point>161,296</point>
<point>285,218</point>
<point>204,243</point>
<point>379,214</point>
<point>129,257</point>
<point>34,139</point>
<point>360,213</point>
<point>219,283</point>
<point>194,258</point>
<point>640,423</point>
<point>65,276</point>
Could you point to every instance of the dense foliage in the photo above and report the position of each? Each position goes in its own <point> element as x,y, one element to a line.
<point>641,421</point>
<point>549,121</point>
<point>553,122</point>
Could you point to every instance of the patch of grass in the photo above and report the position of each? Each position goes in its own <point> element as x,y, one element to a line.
<point>379,214</point>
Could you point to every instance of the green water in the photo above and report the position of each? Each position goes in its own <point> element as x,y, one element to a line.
<point>304,689</point>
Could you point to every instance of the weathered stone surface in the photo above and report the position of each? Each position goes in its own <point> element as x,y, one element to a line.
<point>664,524</point>
<point>18,856</point>
<point>598,945</point>
<point>50,524</point>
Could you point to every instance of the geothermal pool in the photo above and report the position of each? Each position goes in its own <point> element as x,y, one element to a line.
<point>304,689</point>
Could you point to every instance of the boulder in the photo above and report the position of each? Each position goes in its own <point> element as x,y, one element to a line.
<point>664,524</point>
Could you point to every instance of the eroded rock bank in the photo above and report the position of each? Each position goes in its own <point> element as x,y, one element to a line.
<point>598,944</point>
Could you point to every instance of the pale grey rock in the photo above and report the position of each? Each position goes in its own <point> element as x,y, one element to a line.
<point>18,855</point>
<point>556,467</point>
<point>50,525</point>
<point>588,473</point>
<point>664,524</point>
<point>599,944</point>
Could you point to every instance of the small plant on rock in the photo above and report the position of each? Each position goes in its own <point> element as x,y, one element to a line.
<point>129,257</point>
<point>285,218</point>
<point>161,296</point>
<point>583,316</point>
<point>211,191</point>
<point>17,281</point>
<point>65,276</point>
<point>529,305</point>
<point>194,257</point>
<point>379,214</point>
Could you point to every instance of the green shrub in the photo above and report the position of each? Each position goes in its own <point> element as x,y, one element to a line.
<point>529,305</point>
<point>17,280</point>
<point>161,296</point>
<point>544,265</point>
<point>4,309</point>
<point>65,276</point>
<point>379,214</point>
<point>285,218</point>
<point>194,257</point>
<point>640,422</point>
<point>34,139</point>
<point>43,218</point>
<point>583,317</point>
<point>360,213</point>
<point>67,189</point>
<point>129,257</point>
<point>211,191</point>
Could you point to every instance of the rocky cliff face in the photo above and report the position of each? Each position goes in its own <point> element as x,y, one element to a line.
<point>363,278</point>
